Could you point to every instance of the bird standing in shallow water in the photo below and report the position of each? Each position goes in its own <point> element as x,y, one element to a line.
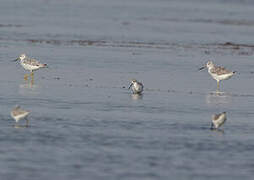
<point>30,64</point>
<point>218,120</point>
<point>217,72</point>
<point>136,87</point>
<point>17,114</point>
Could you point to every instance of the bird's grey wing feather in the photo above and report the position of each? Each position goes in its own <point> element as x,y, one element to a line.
<point>220,70</point>
<point>216,117</point>
<point>32,62</point>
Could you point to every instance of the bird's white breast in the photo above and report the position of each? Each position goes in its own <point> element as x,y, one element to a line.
<point>220,77</point>
<point>220,121</point>
<point>20,116</point>
<point>29,67</point>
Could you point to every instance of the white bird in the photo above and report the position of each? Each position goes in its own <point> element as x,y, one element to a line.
<point>217,72</point>
<point>136,87</point>
<point>30,64</point>
<point>218,120</point>
<point>18,114</point>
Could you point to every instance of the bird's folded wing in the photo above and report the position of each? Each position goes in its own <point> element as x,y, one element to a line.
<point>32,62</point>
<point>220,70</point>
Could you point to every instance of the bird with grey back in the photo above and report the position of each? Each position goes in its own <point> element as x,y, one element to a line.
<point>136,87</point>
<point>218,120</point>
<point>218,72</point>
<point>17,113</point>
<point>30,64</point>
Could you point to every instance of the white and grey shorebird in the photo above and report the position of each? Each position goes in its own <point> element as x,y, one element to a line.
<point>136,87</point>
<point>217,72</point>
<point>30,64</point>
<point>18,114</point>
<point>218,120</point>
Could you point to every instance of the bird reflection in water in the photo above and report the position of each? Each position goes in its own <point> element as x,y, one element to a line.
<point>28,87</point>
<point>219,131</point>
<point>136,96</point>
<point>218,97</point>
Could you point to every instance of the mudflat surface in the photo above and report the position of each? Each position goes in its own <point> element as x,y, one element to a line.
<point>86,124</point>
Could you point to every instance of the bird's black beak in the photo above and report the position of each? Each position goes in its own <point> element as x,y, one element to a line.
<point>15,59</point>
<point>130,85</point>
<point>203,67</point>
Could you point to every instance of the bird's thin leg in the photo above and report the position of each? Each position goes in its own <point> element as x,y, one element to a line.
<point>32,74</point>
<point>32,78</point>
<point>26,77</point>
<point>211,126</point>
<point>32,82</point>
<point>27,122</point>
<point>218,85</point>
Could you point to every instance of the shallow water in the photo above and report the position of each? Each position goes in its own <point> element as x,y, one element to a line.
<point>84,121</point>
